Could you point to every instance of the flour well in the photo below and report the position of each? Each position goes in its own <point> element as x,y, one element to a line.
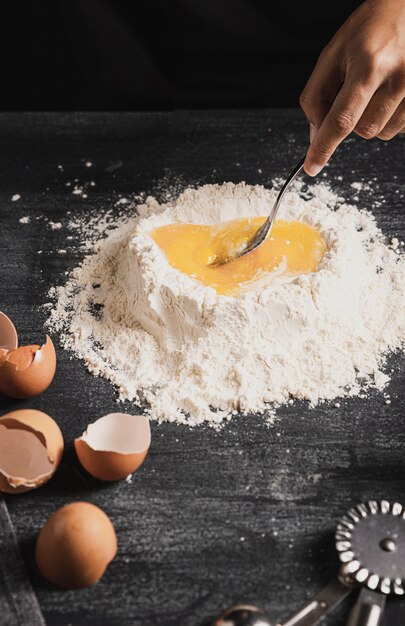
<point>194,356</point>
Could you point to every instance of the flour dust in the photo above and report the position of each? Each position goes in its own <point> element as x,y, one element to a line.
<point>192,356</point>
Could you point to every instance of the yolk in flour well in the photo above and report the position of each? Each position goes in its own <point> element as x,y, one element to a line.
<point>292,246</point>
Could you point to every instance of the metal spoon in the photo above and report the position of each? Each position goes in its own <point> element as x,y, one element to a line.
<point>263,232</point>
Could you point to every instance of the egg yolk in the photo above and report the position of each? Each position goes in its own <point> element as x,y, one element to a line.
<point>292,246</point>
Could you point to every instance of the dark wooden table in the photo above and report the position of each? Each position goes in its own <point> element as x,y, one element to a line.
<point>246,513</point>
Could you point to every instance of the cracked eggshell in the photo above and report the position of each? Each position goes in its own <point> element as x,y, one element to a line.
<point>75,546</point>
<point>27,371</point>
<point>31,448</point>
<point>8,333</point>
<point>114,446</point>
<point>3,354</point>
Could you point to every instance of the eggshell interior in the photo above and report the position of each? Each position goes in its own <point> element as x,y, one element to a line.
<point>31,448</point>
<point>23,357</point>
<point>23,458</point>
<point>8,333</point>
<point>44,427</point>
<point>114,446</point>
<point>119,432</point>
<point>27,371</point>
<point>3,355</point>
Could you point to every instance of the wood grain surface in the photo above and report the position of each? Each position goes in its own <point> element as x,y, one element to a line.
<point>247,513</point>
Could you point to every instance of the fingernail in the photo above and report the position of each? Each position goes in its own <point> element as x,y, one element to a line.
<point>313,169</point>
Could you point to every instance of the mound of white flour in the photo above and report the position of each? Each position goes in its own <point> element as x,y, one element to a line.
<point>194,356</point>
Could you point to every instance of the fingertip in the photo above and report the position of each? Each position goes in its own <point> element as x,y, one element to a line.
<point>312,169</point>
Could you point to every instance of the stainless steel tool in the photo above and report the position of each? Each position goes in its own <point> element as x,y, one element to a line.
<point>263,232</point>
<point>244,615</point>
<point>370,541</point>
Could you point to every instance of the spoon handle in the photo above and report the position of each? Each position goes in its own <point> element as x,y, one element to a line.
<point>297,169</point>
<point>266,227</point>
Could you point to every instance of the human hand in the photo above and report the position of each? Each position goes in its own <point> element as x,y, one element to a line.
<point>358,83</point>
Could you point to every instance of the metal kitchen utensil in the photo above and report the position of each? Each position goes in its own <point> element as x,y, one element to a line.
<point>244,615</point>
<point>263,232</point>
<point>370,541</point>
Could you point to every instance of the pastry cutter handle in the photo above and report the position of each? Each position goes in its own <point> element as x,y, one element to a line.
<point>368,610</point>
<point>320,606</point>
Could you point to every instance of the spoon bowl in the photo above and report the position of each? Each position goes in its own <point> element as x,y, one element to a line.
<point>263,232</point>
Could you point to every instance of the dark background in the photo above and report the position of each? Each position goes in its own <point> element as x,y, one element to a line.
<point>160,54</point>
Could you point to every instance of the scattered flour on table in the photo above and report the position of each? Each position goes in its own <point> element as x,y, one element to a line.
<point>193,356</point>
<point>55,225</point>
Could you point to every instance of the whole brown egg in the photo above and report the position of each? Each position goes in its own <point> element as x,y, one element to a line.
<point>75,546</point>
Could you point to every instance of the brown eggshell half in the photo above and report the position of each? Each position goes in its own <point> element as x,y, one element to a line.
<point>3,354</point>
<point>31,448</point>
<point>27,371</point>
<point>114,446</point>
<point>75,546</point>
<point>8,333</point>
